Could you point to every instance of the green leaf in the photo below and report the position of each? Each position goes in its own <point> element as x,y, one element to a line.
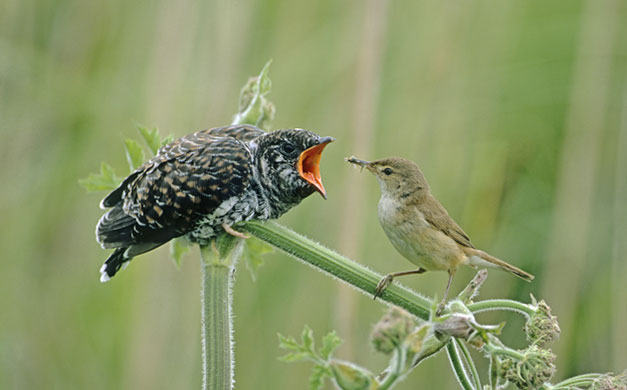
<point>330,342</point>
<point>307,338</point>
<point>254,108</point>
<point>295,356</point>
<point>178,248</point>
<point>288,343</point>
<point>264,85</point>
<point>134,154</point>
<point>254,251</point>
<point>167,140</point>
<point>316,380</point>
<point>151,137</point>
<point>105,180</point>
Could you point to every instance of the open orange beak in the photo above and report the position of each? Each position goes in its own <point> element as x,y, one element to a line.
<point>308,165</point>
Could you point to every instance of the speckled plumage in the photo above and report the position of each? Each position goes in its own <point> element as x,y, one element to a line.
<point>199,182</point>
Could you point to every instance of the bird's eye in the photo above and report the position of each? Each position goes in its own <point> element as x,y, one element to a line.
<point>387,171</point>
<point>288,148</point>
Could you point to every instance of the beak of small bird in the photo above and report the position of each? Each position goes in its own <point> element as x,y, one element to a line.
<point>308,165</point>
<point>362,163</point>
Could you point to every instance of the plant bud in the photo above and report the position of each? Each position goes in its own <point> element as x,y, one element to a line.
<point>456,325</point>
<point>534,370</point>
<point>611,382</point>
<point>430,346</point>
<point>391,330</point>
<point>348,376</point>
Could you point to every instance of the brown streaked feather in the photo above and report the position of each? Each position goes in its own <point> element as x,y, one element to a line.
<point>437,216</point>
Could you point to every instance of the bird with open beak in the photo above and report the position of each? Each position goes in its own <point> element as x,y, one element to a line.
<point>419,227</point>
<point>202,184</point>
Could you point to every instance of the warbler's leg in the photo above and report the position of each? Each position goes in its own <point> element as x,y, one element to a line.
<point>233,232</point>
<point>387,280</point>
<point>451,273</point>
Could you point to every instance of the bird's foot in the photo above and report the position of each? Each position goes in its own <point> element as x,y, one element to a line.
<point>233,232</point>
<point>383,284</point>
<point>440,309</point>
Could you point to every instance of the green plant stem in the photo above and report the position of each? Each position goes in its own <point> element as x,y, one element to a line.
<point>493,372</point>
<point>504,351</point>
<point>217,338</point>
<point>458,367</point>
<point>395,373</point>
<point>336,265</point>
<point>579,380</point>
<point>501,304</point>
<point>471,364</point>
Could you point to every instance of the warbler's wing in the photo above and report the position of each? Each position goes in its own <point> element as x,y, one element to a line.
<point>437,216</point>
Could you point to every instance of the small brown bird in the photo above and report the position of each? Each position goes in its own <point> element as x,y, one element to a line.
<point>420,228</point>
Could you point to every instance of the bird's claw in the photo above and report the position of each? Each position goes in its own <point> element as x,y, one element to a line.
<point>233,232</point>
<point>440,309</point>
<point>383,284</point>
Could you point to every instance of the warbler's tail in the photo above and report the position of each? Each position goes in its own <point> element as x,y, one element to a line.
<point>482,259</point>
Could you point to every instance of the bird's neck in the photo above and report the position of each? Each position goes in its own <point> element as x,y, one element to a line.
<point>272,200</point>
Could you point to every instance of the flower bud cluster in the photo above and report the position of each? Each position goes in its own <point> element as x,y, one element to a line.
<point>532,371</point>
<point>542,327</point>
<point>254,107</point>
<point>611,382</point>
<point>391,330</point>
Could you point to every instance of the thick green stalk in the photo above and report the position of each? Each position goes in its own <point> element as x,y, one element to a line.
<point>217,336</point>
<point>471,364</point>
<point>338,266</point>
<point>458,366</point>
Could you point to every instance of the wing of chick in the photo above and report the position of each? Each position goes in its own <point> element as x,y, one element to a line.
<point>170,193</point>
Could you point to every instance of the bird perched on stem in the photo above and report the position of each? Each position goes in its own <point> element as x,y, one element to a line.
<point>420,228</point>
<point>202,184</point>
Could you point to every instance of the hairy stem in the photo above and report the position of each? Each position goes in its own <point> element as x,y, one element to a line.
<point>501,304</point>
<point>504,351</point>
<point>396,369</point>
<point>217,336</point>
<point>580,380</point>
<point>337,265</point>
<point>458,366</point>
<point>471,364</point>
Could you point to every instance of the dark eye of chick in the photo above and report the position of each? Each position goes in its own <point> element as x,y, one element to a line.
<point>387,171</point>
<point>288,149</point>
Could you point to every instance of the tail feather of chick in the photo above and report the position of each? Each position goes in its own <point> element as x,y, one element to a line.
<point>118,259</point>
<point>482,259</point>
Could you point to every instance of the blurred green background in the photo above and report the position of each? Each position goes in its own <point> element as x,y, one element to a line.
<point>515,110</point>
